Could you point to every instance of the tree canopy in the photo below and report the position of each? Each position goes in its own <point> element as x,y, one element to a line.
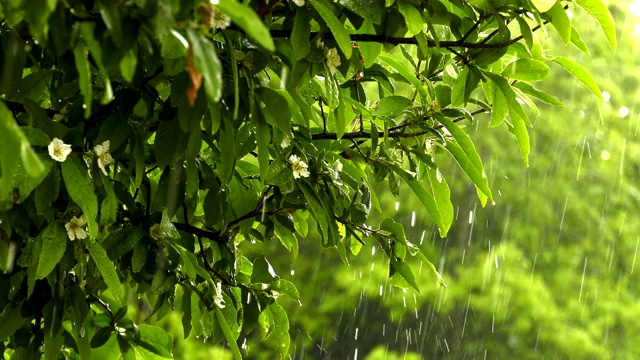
<point>146,145</point>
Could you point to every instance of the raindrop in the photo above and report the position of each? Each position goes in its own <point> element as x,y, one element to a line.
<point>438,175</point>
<point>355,356</point>
<point>382,287</point>
<point>606,96</point>
<point>471,217</point>
<point>413,218</point>
<point>292,272</point>
<point>397,205</point>
<point>633,265</point>
<point>623,111</point>
<point>356,338</point>
<point>605,155</point>
<point>373,250</point>
<point>584,270</point>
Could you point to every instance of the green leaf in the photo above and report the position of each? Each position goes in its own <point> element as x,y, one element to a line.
<point>499,108</point>
<point>170,143</point>
<point>81,191</point>
<point>301,33</point>
<point>404,72</point>
<point>106,268</point>
<point>279,172</point>
<point>405,271</point>
<point>276,109</point>
<point>280,329</point>
<point>560,20</point>
<point>340,33</point>
<point>323,217</point>
<point>248,20</point>
<point>174,45</point>
<point>518,116</point>
<point>206,62</point>
<point>10,319</point>
<point>543,5</point>
<point>263,137</point>
<point>370,10</point>
<point>286,287</point>
<point>156,340</point>
<point>577,41</point>
<point>54,244</point>
<point>262,271</point>
<point>228,334</point>
<point>441,193</point>
<point>84,77</point>
<point>579,73</point>
<point>423,195</point>
<point>368,50</point>
<point>87,30</point>
<point>128,64</point>
<point>392,105</point>
<point>526,70</point>
<point>412,17</point>
<point>599,11</point>
<point>464,151</point>
<point>540,95</point>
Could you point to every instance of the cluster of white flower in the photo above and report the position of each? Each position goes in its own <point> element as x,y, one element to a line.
<point>75,228</point>
<point>285,142</point>
<point>332,59</point>
<point>299,2</point>
<point>104,158</point>
<point>430,146</point>
<point>300,168</point>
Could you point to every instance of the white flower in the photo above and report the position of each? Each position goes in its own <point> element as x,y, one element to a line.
<point>337,166</point>
<point>75,228</point>
<point>219,20</point>
<point>285,142</point>
<point>218,299</point>
<point>58,150</point>
<point>299,2</point>
<point>430,146</point>
<point>299,167</point>
<point>104,158</point>
<point>333,59</point>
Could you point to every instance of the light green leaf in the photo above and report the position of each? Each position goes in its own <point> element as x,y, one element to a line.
<point>579,73</point>
<point>247,20</point>
<point>540,95</point>
<point>156,340</point>
<point>174,45</point>
<point>280,329</point>
<point>423,195</point>
<point>340,33</point>
<point>286,287</point>
<point>412,17</point>
<point>106,268</point>
<point>54,244</point>
<point>577,41</point>
<point>228,334</point>
<point>276,109</point>
<point>370,10</point>
<point>10,319</point>
<point>599,11</point>
<point>301,33</point>
<point>518,116</point>
<point>526,70</point>
<point>207,63</point>
<point>392,105</point>
<point>464,151</point>
<point>84,77</point>
<point>441,193</point>
<point>326,224</point>
<point>80,189</point>
<point>405,271</point>
<point>369,50</point>
<point>406,73</point>
<point>543,5</point>
<point>560,20</point>
<point>499,107</point>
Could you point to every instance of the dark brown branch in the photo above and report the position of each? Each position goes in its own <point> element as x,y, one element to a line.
<point>409,41</point>
<point>211,235</point>
<point>396,134</point>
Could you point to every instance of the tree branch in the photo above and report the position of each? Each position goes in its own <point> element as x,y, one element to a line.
<point>211,235</point>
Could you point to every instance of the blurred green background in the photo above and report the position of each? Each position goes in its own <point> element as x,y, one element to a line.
<point>549,271</point>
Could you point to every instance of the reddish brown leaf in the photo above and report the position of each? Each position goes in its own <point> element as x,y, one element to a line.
<point>205,11</point>
<point>196,78</point>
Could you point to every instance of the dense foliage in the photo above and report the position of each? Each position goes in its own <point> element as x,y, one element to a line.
<point>146,145</point>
